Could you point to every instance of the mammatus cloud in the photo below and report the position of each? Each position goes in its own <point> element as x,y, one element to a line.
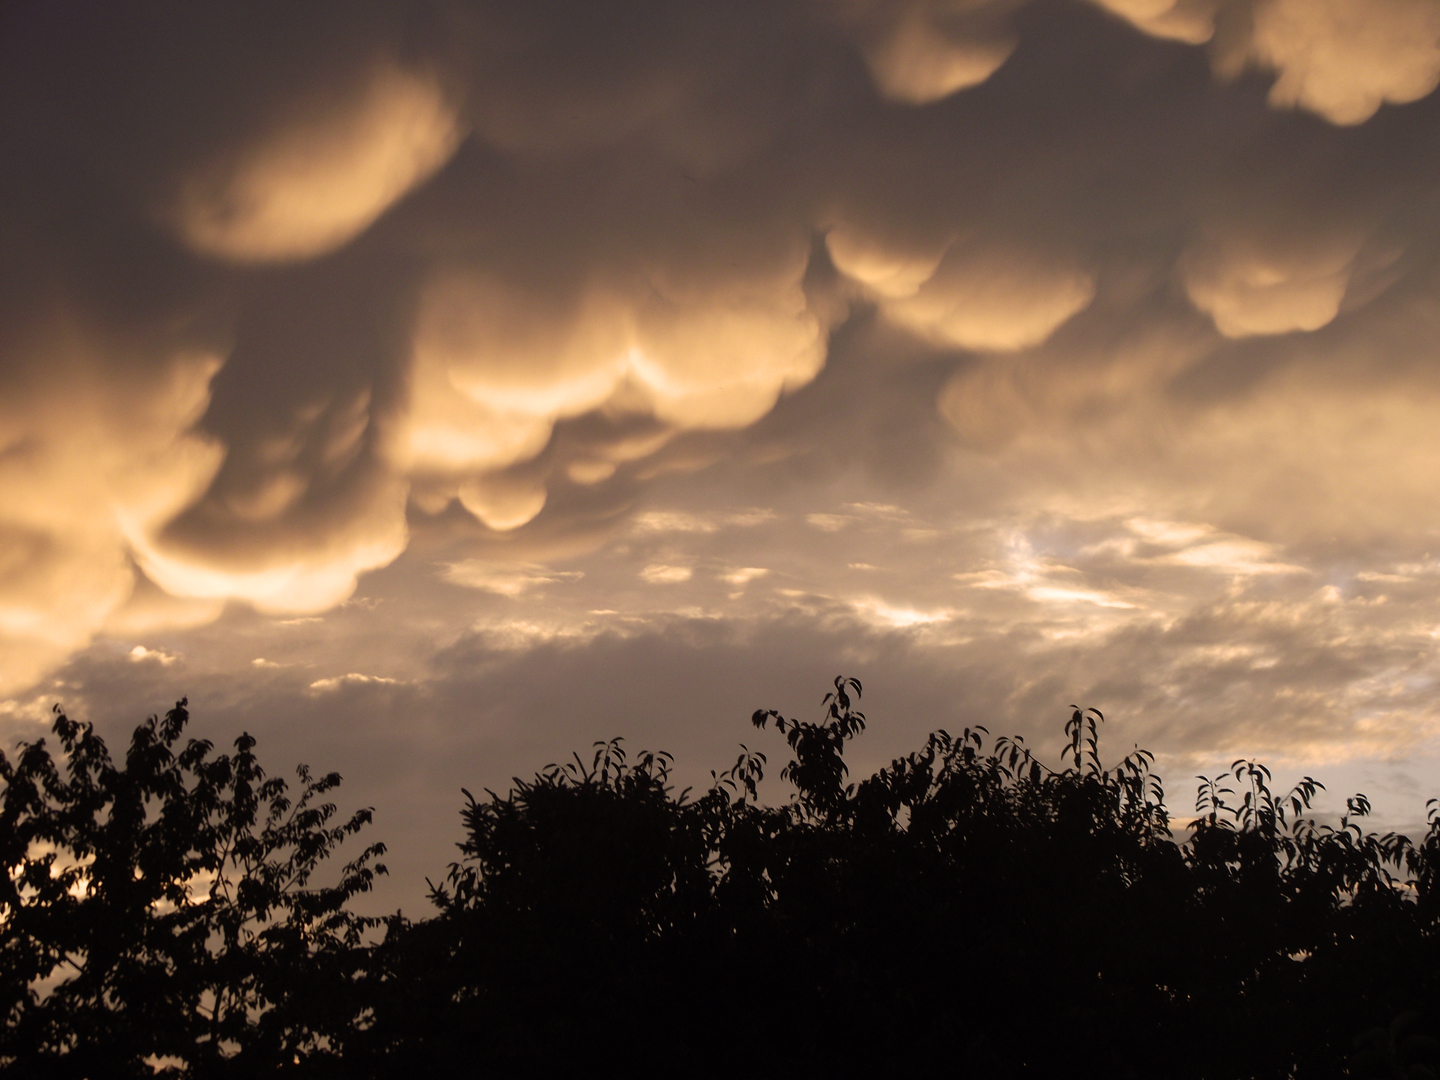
<point>1190,21</point>
<point>90,457</point>
<point>968,293</point>
<point>496,366</point>
<point>1251,284</point>
<point>922,51</point>
<point>323,174</point>
<point>1342,59</point>
<point>488,283</point>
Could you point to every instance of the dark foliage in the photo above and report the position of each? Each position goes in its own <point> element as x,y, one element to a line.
<point>159,914</point>
<point>964,910</point>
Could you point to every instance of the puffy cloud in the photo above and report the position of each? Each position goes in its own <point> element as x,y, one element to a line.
<point>895,272</point>
<point>1344,58</point>
<point>1190,21</point>
<point>985,405</point>
<point>922,51</point>
<point>888,270</point>
<point>994,298</point>
<point>91,458</point>
<point>323,175</point>
<point>497,364</point>
<point>1253,284</point>
<point>316,573</point>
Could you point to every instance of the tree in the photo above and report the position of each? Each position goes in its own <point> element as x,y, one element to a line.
<point>965,909</point>
<point>160,914</point>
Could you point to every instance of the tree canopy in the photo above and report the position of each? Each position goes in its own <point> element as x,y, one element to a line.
<point>966,908</point>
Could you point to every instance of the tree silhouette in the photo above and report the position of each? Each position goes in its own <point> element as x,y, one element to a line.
<point>961,908</point>
<point>966,909</point>
<point>158,914</point>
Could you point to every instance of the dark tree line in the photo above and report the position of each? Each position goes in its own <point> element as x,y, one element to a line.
<point>965,911</point>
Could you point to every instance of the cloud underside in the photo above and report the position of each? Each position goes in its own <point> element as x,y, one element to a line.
<point>484,286</point>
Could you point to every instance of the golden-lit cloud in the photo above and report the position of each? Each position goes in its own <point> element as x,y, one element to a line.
<point>892,271</point>
<point>313,575</point>
<point>1341,59</point>
<point>1345,58</point>
<point>352,679</point>
<point>496,365</point>
<point>1190,21</point>
<point>922,52</point>
<point>503,502</point>
<point>89,456</point>
<point>993,298</point>
<point>661,574</point>
<point>1253,284</point>
<point>505,580</point>
<point>1012,347</point>
<point>322,175</point>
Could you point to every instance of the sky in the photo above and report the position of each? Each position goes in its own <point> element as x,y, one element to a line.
<point>434,388</point>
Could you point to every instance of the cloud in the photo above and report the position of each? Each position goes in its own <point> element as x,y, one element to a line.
<point>743,575</point>
<point>497,365</point>
<point>660,574</point>
<point>1251,285</point>
<point>922,52</point>
<point>140,654</point>
<point>1341,59</point>
<point>322,176</point>
<point>338,682</point>
<point>1345,58</point>
<point>475,574</point>
<point>98,451</point>
<point>992,298</point>
<point>299,305</point>
<point>670,521</point>
<point>1190,21</point>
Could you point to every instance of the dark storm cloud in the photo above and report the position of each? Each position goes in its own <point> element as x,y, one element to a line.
<point>1005,328</point>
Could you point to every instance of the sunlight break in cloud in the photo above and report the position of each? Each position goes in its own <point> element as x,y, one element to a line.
<point>880,613</point>
<point>660,574</point>
<point>324,686</point>
<point>140,654</point>
<point>476,574</point>
<point>743,575</point>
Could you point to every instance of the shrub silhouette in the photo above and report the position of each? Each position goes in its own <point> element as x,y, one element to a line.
<point>966,909</point>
